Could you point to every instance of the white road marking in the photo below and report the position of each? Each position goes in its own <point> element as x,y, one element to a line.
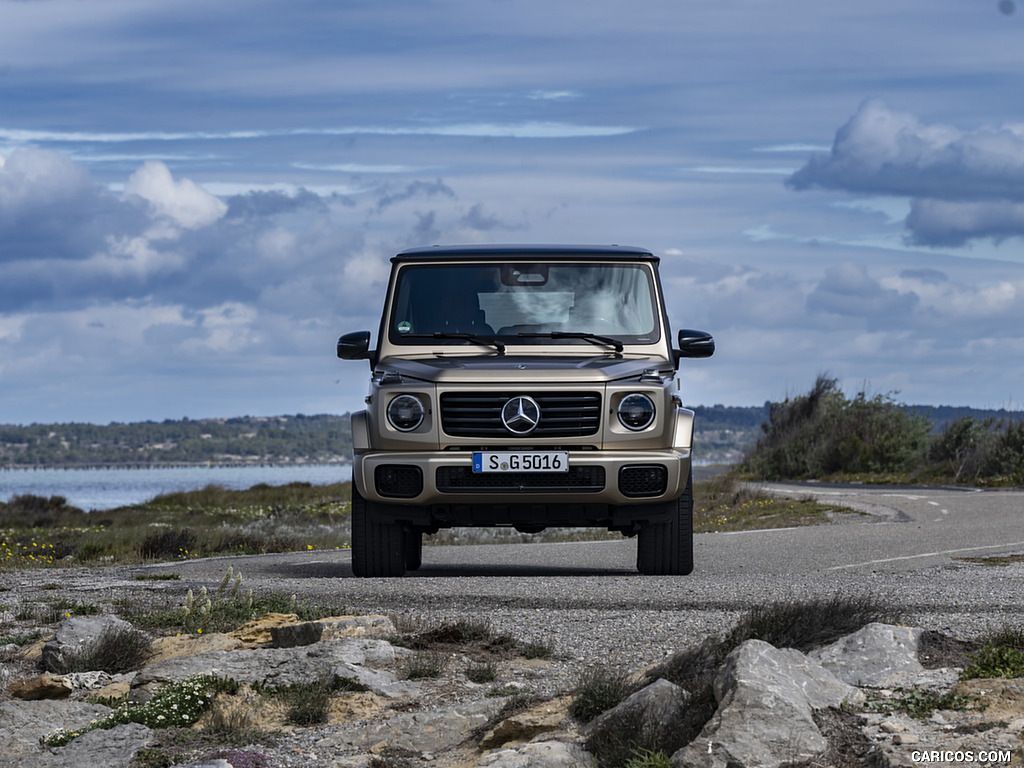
<point>926,554</point>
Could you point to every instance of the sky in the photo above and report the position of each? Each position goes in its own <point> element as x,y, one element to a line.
<point>198,198</point>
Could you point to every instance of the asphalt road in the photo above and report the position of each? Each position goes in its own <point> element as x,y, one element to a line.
<point>903,546</point>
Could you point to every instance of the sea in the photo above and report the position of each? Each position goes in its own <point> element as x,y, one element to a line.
<point>99,489</point>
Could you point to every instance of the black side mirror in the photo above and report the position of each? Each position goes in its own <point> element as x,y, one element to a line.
<point>354,346</point>
<point>695,344</point>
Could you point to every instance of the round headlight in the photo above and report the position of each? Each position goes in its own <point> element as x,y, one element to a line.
<point>405,413</point>
<point>636,411</point>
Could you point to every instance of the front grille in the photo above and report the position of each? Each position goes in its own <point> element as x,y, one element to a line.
<point>465,480</point>
<point>643,480</point>
<point>562,414</point>
<point>398,481</point>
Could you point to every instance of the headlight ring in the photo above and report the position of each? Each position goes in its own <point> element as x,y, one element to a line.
<point>636,411</point>
<point>405,413</point>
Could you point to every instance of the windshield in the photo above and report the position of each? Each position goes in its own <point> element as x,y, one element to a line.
<point>513,302</point>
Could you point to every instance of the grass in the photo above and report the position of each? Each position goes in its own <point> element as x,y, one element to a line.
<point>37,532</point>
<point>41,533</point>
<point>223,610</point>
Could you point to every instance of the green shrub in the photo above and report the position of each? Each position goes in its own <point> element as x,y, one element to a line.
<point>177,543</point>
<point>118,649</point>
<point>598,689</point>
<point>1001,655</point>
<point>425,664</point>
<point>823,433</point>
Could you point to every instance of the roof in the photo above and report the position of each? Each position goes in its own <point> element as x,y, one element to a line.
<point>504,250</point>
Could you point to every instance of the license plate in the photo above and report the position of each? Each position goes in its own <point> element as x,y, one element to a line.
<point>521,461</point>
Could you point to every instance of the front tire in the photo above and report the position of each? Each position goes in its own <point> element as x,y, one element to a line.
<point>378,549</point>
<point>666,549</point>
<point>413,550</point>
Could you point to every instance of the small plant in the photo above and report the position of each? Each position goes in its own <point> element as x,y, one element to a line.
<point>226,606</point>
<point>177,544</point>
<point>1002,655</point>
<point>921,704</point>
<point>598,689</point>
<point>178,704</point>
<point>995,661</point>
<point>308,703</point>
<point>425,664</point>
<point>485,672</point>
<point>509,689</point>
<point>538,650</point>
<point>118,649</point>
<point>157,577</point>
<point>646,758</point>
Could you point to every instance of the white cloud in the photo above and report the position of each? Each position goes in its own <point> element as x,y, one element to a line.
<point>965,185</point>
<point>184,201</point>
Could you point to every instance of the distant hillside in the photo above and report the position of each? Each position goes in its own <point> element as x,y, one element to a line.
<point>723,434</point>
<point>244,440</point>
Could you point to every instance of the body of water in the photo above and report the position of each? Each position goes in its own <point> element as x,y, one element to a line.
<point>96,489</point>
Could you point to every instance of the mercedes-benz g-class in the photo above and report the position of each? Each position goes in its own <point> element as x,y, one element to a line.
<point>527,386</point>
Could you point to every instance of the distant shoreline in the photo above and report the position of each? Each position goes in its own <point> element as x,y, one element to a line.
<point>175,465</point>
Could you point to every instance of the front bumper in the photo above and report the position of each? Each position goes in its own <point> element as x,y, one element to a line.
<point>618,478</point>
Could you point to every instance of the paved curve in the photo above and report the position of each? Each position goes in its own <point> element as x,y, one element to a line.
<point>588,598</point>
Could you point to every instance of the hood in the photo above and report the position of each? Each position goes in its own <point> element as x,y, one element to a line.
<point>553,369</point>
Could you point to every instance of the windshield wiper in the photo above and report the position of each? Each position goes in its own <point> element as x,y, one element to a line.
<point>459,335</point>
<point>593,338</point>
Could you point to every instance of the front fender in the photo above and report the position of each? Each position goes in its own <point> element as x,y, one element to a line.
<point>682,439</point>
<point>360,433</point>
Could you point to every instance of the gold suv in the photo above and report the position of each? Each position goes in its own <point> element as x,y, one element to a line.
<point>526,386</point>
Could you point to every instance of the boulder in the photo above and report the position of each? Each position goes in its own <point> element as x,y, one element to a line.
<point>428,731</point>
<point>521,727</point>
<point>44,686</point>
<point>24,723</point>
<point>877,656</point>
<point>164,648</point>
<point>766,698</point>
<point>74,635</point>
<point>651,713</point>
<point>273,666</point>
<point>259,632</point>
<point>540,754</point>
<point>331,628</point>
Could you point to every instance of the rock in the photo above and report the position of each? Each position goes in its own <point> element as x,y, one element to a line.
<point>524,726</point>
<point>381,682</point>
<point>878,655</point>
<point>23,723</point>
<point>332,628</point>
<point>164,648</point>
<point>114,748</point>
<point>273,666</point>
<point>418,732</point>
<point>74,635</point>
<point>541,754</point>
<point>45,686</point>
<point>766,698</point>
<point>259,632</point>
<point>652,710</point>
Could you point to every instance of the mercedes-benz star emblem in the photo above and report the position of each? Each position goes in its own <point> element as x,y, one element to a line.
<point>520,415</point>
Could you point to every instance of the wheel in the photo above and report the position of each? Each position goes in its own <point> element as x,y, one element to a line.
<point>378,549</point>
<point>413,550</point>
<point>666,549</point>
